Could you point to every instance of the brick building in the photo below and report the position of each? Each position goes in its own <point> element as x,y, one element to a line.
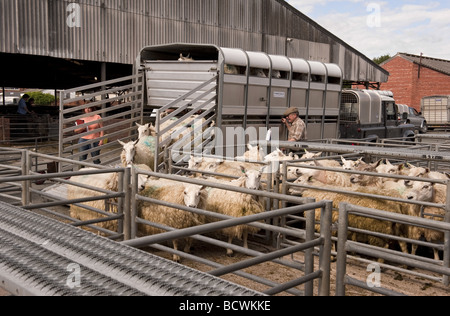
<point>413,77</point>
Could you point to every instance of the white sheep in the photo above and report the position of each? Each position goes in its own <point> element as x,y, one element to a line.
<point>419,192</point>
<point>226,168</point>
<point>295,172</point>
<point>176,193</point>
<point>234,204</point>
<point>188,58</point>
<point>254,153</point>
<point>433,213</point>
<point>351,164</point>
<point>141,151</point>
<point>105,181</point>
<point>145,130</point>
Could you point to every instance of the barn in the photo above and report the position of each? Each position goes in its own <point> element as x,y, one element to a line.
<point>60,44</point>
<point>414,77</point>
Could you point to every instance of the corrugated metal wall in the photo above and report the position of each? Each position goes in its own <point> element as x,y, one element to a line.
<point>115,30</point>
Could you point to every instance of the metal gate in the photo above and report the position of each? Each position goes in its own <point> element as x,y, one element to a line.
<point>119,102</point>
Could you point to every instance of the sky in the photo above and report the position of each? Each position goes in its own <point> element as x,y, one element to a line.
<point>378,28</point>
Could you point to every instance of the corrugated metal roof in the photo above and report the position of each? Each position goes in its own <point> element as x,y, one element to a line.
<point>439,65</point>
<point>114,31</point>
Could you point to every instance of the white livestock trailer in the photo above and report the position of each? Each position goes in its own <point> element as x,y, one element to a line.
<point>239,89</point>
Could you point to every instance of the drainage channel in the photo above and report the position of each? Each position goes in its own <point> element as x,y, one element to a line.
<point>40,256</point>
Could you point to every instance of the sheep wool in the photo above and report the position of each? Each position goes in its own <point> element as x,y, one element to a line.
<point>236,205</point>
<point>107,181</point>
<point>173,192</point>
<point>364,223</point>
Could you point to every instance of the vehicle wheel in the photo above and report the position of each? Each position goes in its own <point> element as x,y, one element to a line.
<point>424,129</point>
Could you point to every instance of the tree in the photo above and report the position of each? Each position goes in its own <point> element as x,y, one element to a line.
<point>43,99</point>
<point>381,59</point>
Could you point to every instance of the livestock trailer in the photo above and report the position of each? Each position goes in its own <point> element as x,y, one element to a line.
<point>371,114</point>
<point>436,110</point>
<point>246,89</point>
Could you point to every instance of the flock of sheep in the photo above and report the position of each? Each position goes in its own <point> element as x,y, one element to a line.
<point>381,187</point>
<point>239,173</point>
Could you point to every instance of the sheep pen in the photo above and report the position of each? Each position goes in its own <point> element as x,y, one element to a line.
<point>253,245</point>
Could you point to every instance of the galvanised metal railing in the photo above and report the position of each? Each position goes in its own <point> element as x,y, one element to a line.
<point>345,246</point>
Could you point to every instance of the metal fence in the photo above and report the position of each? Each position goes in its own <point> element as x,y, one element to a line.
<point>119,102</point>
<point>346,246</point>
<point>19,186</point>
<point>22,173</point>
<point>310,241</point>
<point>427,265</point>
<point>190,118</point>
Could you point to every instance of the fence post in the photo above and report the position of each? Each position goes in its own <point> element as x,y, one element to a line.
<point>325,253</point>
<point>341,250</point>
<point>124,186</point>
<point>61,127</point>
<point>133,204</point>
<point>447,236</point>
<point>26,167</point>
<point>309,253</point>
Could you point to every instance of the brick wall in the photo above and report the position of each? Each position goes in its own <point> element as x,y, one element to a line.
<point>408,88</point>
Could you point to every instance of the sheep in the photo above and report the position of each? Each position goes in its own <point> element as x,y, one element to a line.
<point>276,74</point>
<point>254,153</point>
<point>418,193</point>
<point>226,168</point>
<point>188,58</point>
<point>386,167</point>
<point>350,164</point>
<point>231,69</point>
<point>296,172</point>
<point>128,152</point>
<point>278,155</point>
<point>435,213</point>
<point>105,181</point>
<point>331,177</point>
<point>234,204</point>
<point>141,151</point>
<point>145,130</point>
<point>257,72</point>
<point>177,193</point>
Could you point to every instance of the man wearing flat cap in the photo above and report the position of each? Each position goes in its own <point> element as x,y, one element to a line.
<point>295,125</point>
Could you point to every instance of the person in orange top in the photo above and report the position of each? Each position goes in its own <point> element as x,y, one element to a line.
<point>96,124</point>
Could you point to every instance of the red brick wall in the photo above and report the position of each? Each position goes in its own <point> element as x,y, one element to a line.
<point>408,88</point>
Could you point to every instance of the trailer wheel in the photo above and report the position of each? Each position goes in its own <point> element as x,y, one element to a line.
<point>409,137</point>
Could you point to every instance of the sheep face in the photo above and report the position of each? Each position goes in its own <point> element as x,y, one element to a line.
<point>387,168</point>
<point>350,164</point>
<point>420,191</point>
<point>144,130</point>
<point>253,153</point>
<point>192,195</point>
<point>128,152</point>
<point>188,58</point>
<point>195,162</point>
<point>276,74</point>
<point>309,155</point>
<point>252,179</point>
<point>278,155</point>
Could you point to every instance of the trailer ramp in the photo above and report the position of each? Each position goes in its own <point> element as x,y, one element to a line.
<point>40,256</point>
